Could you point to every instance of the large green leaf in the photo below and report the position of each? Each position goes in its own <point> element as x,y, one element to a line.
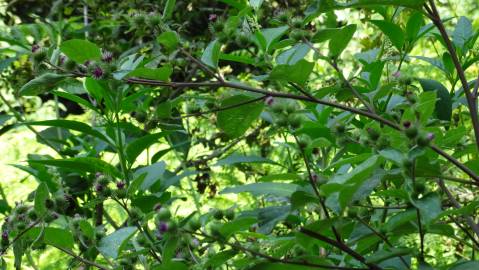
<point>238,116</point>
<point>326,6</point>
<point>112,245</point>
<point>267,37</point>
<point>297,73</point>
<point>468,265</point>
<point>80,50</point>
<point>169,8</point>
<point>444,102</point>
<point>462,33</point>
<point>52,236</point>
<point>392,31</point>
<point>339,41</point>
<point>134,148</point>
<point>81,165</point>
<point>211,55</point>
<point>41,84</point>
<point>72,125</point>
<point>160,74</point>
<point>271,188</point>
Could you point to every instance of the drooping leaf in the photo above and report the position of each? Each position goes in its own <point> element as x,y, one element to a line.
<point>41,84</point>
<point>169,40</point>
<point>239,116</point>
<point>81,165</point>
<point>52,236</point>
<point>80,50</point>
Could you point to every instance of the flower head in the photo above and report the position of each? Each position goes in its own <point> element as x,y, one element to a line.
<point>107,57</point>
<point>213,17</point>
<point>269,100</point>
<point>98,73</point>
<point>35,47</point>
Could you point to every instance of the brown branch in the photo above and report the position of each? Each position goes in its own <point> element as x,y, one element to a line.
<point>83,260</point>
<point>340,246</point>
<point>471,99</point>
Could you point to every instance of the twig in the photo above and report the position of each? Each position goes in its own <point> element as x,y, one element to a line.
<point>83,260</point>
<point>341,246</point>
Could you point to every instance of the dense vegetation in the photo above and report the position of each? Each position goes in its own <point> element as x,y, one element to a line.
<point>234,134</point>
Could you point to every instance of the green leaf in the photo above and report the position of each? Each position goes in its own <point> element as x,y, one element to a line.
<point>239,116</point>
<point>41,84</point>
<point>169,40</point>
<point>80,50</point>
<point>297,73</point>
<point>72,125</point>
<point>77,100</point>
<point>470,265</point>
<point>340,40</point>
<point>271,188</point>
<point>220,258</point>
<point>211,55</point>
<point>429,207</point>
<point>293,55</point>
<point>280,266</point>
<point>383,255</point>
<point>134,148</point>
<point>81,165</point>
<point>235,159</point>
<point>169,8</point>
<point>159,74</point>
<point>414,25</point>
<point>444,103</point>
<point>41,194</point>
<point>462,33</point>
<point>392,31</point>
<point>112,245</point>
<point>269,36</point>
<point>326,6</point>
<point>52,236</point>
<point>154,172</point>
<point>239,224</point>
<point>171,265</point>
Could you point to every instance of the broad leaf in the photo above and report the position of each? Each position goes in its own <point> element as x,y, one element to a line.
<point>392,31</point>
<point>339,41</point>
<point>112,245</point>
<point>80,50</point>
<point>238,114</point>
<point>444,103</point>
<point>81,165</point>
<point>41,195</point>
<point>41,84</point>
<point>211,55</point>
<point>297,73</point>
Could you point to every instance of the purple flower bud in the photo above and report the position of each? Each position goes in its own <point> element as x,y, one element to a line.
<point>397,74</point>
<point>269,100</point>
<point>62,59</point>
<point>87,63</point>
<point>212,17</point>
<point>35,47</point>
<point>98,188</point>
<point>163,227</point>
<point>97,175</point>
<point>55,215</point>
<point>314,177</point>
<point>107,57</point>
<point>195,242</point>
<point>120,185</point>
<point>406,124</point>
<point>430,136</point>
<point>157,207</point>
<point>5,236</point>
<point>97,73</point>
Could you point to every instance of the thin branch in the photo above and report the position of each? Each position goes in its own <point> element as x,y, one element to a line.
<point>83,260</point>
<point>274,259</point>
<point>471,100</point>
<point>456,204</point>
<point>341,246</point>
